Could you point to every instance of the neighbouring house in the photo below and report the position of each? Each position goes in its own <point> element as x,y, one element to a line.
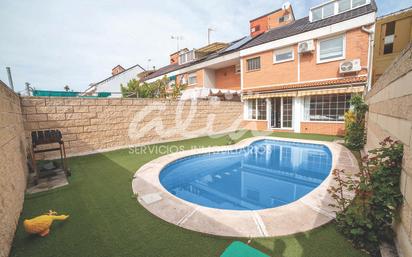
<point>393,34</point>
<point>294,75</point>
<point>216,68</point>
<point>112,84</point>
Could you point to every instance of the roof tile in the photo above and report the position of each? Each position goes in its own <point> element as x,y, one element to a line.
<point>323,83</point>
<point>303,25</point>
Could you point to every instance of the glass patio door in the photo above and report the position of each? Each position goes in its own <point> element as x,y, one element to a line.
<point>275,111</point>
<point>281,112</point>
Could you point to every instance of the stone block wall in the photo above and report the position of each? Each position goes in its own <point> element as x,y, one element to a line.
<point>390,114</point>
<point>94,125</point>
<point>13,168</point>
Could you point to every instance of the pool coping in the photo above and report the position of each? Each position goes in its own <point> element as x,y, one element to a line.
<point>309,212</point>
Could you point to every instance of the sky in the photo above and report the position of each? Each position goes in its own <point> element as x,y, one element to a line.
<point>51,43</point>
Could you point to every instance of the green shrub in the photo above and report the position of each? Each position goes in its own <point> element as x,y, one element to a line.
<point>156,89</point>
<point>355,123</point>
<point>368,219</point>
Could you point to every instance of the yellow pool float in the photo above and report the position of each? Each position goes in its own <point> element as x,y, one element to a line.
<point>41,225</point>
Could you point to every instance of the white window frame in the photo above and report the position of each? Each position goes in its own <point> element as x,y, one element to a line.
<point>282,51</point>
<point>183,79</point>
<point>343,57</point>
<point>285,17</point>
<point>291,118</point>
<point>306,117</point>
<point>336,9</point>
<point>191,75</point>
<point>260,63</point>
<point>248,105</point>
<point>186,55</point>
<point>269,112</point>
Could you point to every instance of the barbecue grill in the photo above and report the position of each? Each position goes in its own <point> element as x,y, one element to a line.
<point>48,141</point>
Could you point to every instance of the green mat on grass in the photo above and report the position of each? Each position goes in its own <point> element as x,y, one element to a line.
<point>239,249</point>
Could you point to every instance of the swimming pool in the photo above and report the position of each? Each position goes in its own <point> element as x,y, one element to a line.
<point>267,174</point>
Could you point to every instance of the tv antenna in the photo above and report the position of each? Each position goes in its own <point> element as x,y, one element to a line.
<point>209,31</point>
<point>177,38</point>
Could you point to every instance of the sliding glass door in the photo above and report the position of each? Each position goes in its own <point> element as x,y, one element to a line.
<point>281,109</point>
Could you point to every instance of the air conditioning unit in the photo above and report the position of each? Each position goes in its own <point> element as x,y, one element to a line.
<point>306,46</point>
<point>350,66</point>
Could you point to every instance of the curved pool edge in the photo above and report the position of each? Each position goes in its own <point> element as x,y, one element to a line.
<point>307,213</point>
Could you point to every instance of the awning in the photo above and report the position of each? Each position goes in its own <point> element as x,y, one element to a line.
<point>340,90</point>
<point>270,95</point>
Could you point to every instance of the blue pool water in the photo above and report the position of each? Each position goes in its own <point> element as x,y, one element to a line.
<point>266,174</point>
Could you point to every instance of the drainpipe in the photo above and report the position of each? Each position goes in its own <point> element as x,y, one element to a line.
<point>371,34</point>
<point>10,78</point>
<point>298,66</point>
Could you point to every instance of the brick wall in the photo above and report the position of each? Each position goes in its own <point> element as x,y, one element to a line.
<point>287,72</point>
<point>323,128</point>
<point>92,125</point>
<point>227,78</point>
<point>390,114</point>
<point>269,21</point>
<point>13,169</point>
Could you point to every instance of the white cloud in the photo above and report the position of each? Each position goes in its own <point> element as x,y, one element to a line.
<point>53,43</point>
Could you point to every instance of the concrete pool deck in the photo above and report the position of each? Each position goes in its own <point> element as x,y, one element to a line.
<point>307,213</point>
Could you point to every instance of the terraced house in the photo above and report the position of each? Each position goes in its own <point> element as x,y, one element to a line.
<point>294,74</point>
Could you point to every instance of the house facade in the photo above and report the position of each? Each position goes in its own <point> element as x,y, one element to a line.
<point>295,75</point>
<point>393,34</point>
<point>111,85</point>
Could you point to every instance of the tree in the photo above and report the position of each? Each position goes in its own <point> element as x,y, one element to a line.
<point>156,89</point>
<point>355,123</point>
<point>131,89</point>
<point>177,90</point>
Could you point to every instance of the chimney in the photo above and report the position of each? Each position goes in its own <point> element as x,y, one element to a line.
<point>116,70</point>
<point>174,58</point>
<point>272,20</point>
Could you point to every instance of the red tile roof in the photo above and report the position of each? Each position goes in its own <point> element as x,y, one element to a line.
<point>304,85</point>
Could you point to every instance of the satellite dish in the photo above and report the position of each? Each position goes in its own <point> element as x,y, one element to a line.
<point>286,6</point>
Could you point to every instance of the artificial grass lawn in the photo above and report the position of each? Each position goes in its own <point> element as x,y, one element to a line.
<point>105,219</point>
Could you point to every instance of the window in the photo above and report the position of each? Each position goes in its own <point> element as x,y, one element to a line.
<point>261,112</point>
<point>192,79</point>
<point>334,7</point>
<point>283,55</point>
<point>329,10</point>
<point>251,109</point>
<point>316,14</point>
<point>187,57</point>
<point>389,37</point>
<point>256,109</point>
<point>287,112</point>
<point>182,79</point>
<point>283,18</point>
<point>253,64</point>
<point>255,28</point>
<point>344,5</point>
<point>327,107</point>
<point>237,69</point>
<point>357,3</point>
<point>331,49</point>
<point>281,109</point>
